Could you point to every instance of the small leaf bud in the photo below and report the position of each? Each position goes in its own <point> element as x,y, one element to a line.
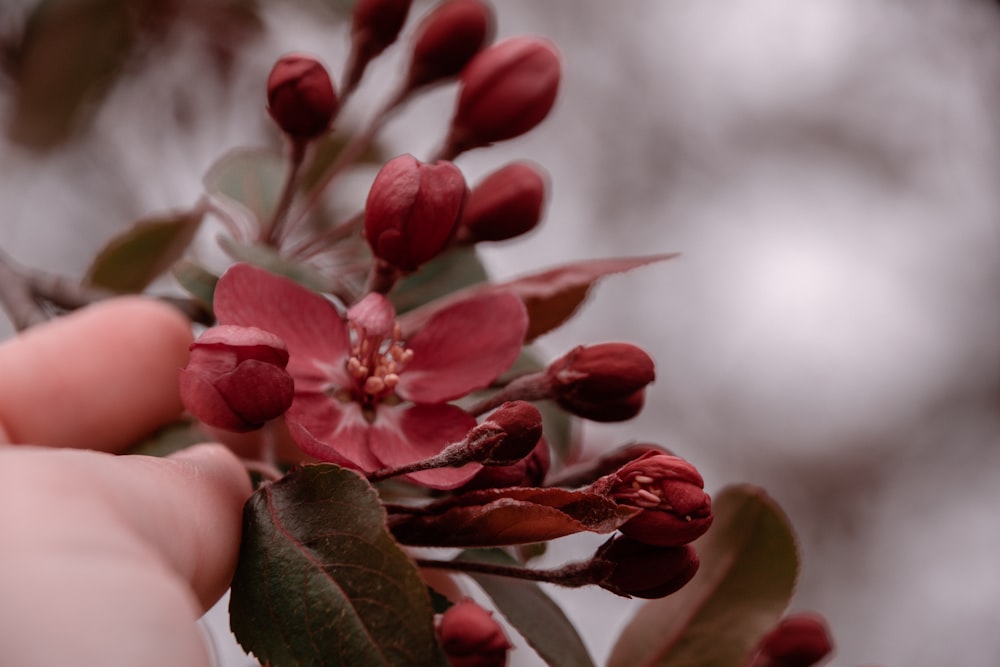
<point>300,97</point>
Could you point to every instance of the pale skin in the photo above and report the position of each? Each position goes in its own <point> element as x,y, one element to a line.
<point>107,560</point>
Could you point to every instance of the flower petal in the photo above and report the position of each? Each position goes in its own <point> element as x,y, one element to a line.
<point>402,435</point>
<point>331,431</point>
<point>464,347</point>
<point>311,327</point>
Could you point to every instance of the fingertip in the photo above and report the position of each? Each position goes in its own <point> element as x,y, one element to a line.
<point>99,378</point>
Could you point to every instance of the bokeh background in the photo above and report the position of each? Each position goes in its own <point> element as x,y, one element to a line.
<point>829,171</point>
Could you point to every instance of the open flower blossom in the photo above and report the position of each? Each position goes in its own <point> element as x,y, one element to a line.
<point>364,397</point>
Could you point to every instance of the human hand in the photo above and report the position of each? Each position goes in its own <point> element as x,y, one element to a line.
<point>107,560</point>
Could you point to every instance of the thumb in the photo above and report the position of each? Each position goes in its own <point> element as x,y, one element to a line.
<point>110,560</point>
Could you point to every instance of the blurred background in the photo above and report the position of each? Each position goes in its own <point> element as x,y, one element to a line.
<point>828,169</point>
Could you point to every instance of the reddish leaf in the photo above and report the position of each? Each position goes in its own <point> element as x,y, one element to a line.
<point>749,565</point>
<point>551,297</point>
<point>320,583</point>
<point>496,517</point>
<point>135,258</point>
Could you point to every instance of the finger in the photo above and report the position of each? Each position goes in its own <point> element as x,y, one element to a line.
<point>99,378</point>
<point>110,560</point>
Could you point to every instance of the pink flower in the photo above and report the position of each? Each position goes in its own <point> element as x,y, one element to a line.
<point>365,398</point>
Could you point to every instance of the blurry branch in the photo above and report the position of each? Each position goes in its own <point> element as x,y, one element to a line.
<point>25,293</point>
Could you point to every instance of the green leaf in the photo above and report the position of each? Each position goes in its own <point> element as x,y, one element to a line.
<point>749,565</point>
<point>268,258</point>
<point>135,258</point>
<point>539,620</point>
<point>71,52</point>
<point>197,280</point>
<point>451,271</point>
<point>251,179</point>
<point>320,582</point>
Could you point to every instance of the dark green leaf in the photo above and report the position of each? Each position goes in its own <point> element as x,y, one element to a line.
<point>133,259</point>
<point>197,280</point>
<point>171,438</point>
<point>749,565</point>
<point>70,54</point>
<point>445,274</point>
<point>267,258</point>
<point>539,620</point>
<point>320,583</point>
<point>250,178</point>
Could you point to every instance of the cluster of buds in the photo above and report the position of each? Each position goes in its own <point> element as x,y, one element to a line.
<point>361,389</point>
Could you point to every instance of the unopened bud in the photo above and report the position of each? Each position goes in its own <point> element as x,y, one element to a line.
<point>669,490</point>
<point>375,24</point>
<point>447,39</point>
<point>645,571</point>
<point>505,204</point>
<point>604,382</point>
<point>799,640</point>
<point>529,471</point>
<point>508,435</point>
<point>412,210</point>
<point>507,89</point>
<point>471,637</point>
<point>235,378</point>
<point>300,97</point>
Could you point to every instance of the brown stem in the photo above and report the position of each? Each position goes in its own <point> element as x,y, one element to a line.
<point>572,574</point>
<point>531,387</point>
<point>17,296</point>
<point>274,232</point>
<point>355,148</point>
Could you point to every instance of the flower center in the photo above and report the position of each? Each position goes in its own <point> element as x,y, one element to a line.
<point>642,491</point>
<point>376,361</point>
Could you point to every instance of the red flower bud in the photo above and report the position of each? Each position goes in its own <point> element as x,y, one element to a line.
<point>507,89</point>
<point>508,435</point>
<point>505,204</point>
<point>529,471</point>
<point>235,378</point>
<point>412,210</point>
<point>375,24</point>
<point>676,509</point>
<point>447,39</point>
<point>604,382</point>
<point>800,640</point>
<point>471,637</point>
<point>645,571</point>
<point>300,97</point>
